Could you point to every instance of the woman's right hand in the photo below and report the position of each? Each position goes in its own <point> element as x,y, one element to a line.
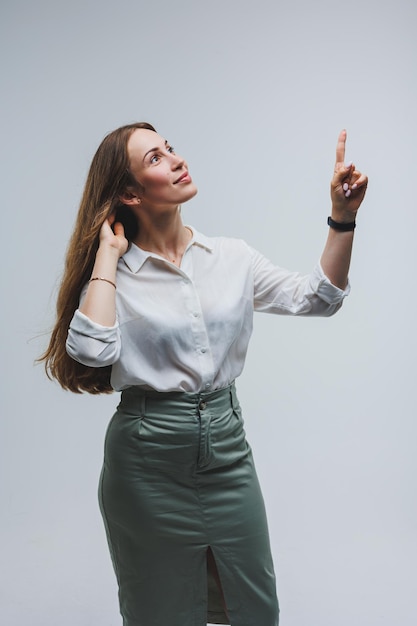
<point>112,234</point>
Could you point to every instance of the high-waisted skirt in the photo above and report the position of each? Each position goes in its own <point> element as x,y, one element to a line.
<point>178,486</point>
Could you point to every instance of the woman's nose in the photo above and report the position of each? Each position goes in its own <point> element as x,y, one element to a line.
<point>177,161</point>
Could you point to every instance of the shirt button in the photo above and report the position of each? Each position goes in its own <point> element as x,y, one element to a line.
<point>207,385</point>
<point>203,350</point>
<point>202,405</point>
<point>196,314</point>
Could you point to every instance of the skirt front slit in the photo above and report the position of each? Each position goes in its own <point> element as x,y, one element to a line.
<point>178,480</point>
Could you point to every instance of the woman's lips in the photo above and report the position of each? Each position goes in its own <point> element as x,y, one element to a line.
<point>184,178</point>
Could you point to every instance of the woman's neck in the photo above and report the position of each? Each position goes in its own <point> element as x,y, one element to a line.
<point>166,236</point>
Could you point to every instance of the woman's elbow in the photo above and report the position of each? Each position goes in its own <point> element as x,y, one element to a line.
<point>92,353</point>
<point>331,309</point>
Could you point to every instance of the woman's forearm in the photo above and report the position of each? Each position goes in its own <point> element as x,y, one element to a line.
<point>99,303</point>
<point>336,256</point>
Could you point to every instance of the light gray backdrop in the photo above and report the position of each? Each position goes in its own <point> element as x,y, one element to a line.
<point>253,94</point>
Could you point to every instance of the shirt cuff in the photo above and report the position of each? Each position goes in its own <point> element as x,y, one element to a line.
<point>82,324</point>
<point>322,286</point>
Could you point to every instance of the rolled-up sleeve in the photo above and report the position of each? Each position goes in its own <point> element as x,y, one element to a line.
<point>279,291</point>
<point>90,343</point>
<point>324,289</point>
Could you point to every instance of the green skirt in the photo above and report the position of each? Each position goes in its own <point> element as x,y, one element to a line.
<point>179,484</point>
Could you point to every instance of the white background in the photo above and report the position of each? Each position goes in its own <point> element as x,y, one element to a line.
<point>253,94</point>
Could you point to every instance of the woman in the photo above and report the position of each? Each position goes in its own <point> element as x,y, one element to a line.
<point>163,314</point>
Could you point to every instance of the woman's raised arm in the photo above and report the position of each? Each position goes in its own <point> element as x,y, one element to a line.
<point>99,303</point>
<point>348,187</point>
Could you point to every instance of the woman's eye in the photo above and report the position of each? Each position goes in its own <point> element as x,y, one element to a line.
<point>157,157</point>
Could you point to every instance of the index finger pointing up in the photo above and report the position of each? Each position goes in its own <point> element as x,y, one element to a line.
<point>340,148</point>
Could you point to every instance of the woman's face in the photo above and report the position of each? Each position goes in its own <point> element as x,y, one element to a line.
<point>162,174</point>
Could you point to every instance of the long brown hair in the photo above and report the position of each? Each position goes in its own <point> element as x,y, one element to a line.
<point>107,179</point>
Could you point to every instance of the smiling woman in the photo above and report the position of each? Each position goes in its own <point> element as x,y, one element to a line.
<point>156,310</point>
<point>162,183</point>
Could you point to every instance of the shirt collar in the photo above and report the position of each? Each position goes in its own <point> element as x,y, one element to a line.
<point>135,257</point>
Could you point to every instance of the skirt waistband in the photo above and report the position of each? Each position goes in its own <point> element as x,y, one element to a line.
<point>132,396</point>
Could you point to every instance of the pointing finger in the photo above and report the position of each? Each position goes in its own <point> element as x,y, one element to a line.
<point>340,147</point>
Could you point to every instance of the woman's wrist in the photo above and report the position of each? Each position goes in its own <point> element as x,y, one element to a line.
<point>106,249</point>
<point>341,227</point>
<point>338,214</point>
<point>106,261</point>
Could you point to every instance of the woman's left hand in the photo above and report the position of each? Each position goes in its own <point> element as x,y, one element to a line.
<point>348,186</point>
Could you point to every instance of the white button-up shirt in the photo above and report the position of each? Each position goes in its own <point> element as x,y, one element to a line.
<point>187,328</point>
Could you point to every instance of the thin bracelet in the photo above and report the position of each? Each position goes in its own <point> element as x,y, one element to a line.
<point>106,280</point>
<point>342,227</point>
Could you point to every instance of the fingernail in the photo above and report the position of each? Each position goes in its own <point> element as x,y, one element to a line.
<point>354,186</point>
<point>345,186</point>
<point>347,194</point>
<point>348,165</point>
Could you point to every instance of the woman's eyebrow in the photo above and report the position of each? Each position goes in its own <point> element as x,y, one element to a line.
<point>153,150</point>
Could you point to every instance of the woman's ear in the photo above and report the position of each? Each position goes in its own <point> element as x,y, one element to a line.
<point>130,198</point>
